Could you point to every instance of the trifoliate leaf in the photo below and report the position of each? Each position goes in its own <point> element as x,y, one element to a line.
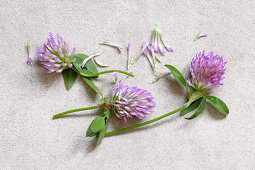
<point>192,107</point>
<point>92,85</point>
<point>90,133</point>
<point>98,124</point>
<point>199,110</point>
<point>218,104</point>
<point>69,77</point>
<point>103,131</point>
<point>177,75</point>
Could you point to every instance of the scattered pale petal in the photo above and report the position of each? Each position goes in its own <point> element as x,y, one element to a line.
<point>30,61</point>
<point>200,35</point>
<point>29,58</point>
<point>160,76</point>
<point>162,51</point>
<point>98,62</point>
<point>115,75</point>
<point>128,54</point>
<point>152,54</point>
<point>119,47</point>
<point>168,48</point>
<point>87,59</point>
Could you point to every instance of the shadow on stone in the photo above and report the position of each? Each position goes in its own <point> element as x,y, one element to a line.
<point>214,113</point>
<point>174,86</point>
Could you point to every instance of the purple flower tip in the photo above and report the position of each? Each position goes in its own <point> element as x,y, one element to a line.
<point>145,51</point>
<point>130,102</point>
<point>170,50</point>
<point>129,45</point>
<point>156,50</point>
<point>55,55</point>
<point>82,64</point>
<point>206,71</point>
<point>29,61</point>
<point>150,43</point>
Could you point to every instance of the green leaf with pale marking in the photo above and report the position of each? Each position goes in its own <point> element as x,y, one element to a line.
<point>69,77</point>
<point>92,85</point>
<point>103,131</point>
<point>218,104</point>
<point>90,133</point>
<point>192,107</point>
<point>177,75</point>
<point>90,66</point>
<point>199,110</point>
<point>98,124</point>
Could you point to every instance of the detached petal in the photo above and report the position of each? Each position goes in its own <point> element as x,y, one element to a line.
<point>115,75</point>
<point>153,55</point>
<point>155,44</point>
<point>168,48</point>
<point>100,63</point>
<point>29,61</point>
<point>119,47</point>
<point>200,35</point>
<point>161,49</point>
<point>128,54</point>
<point>160,76</point>
<point>87,59</point>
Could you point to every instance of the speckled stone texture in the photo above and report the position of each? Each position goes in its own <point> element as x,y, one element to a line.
<point>30,139</point>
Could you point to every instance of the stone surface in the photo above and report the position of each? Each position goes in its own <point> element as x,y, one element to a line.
<point>30,139</point>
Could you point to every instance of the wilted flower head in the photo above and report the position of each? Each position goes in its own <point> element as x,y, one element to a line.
<point>130,102</point>
<point>206,71</point>
<point>55,55</point>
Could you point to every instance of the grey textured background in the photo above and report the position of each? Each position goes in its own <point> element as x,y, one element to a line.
<point>30,139</point>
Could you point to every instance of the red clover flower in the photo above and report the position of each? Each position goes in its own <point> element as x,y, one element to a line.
<point>206,71</point>
<point>55,55</point>
<point>129,102</point>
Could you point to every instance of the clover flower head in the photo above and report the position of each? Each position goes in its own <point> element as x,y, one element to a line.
<point>130,102</point>
<point>55,55</point>
<point>206,71</point>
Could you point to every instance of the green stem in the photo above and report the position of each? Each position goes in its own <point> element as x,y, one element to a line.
<point>150,121</point>
<point>75,110</point>
<point>103,72</point>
